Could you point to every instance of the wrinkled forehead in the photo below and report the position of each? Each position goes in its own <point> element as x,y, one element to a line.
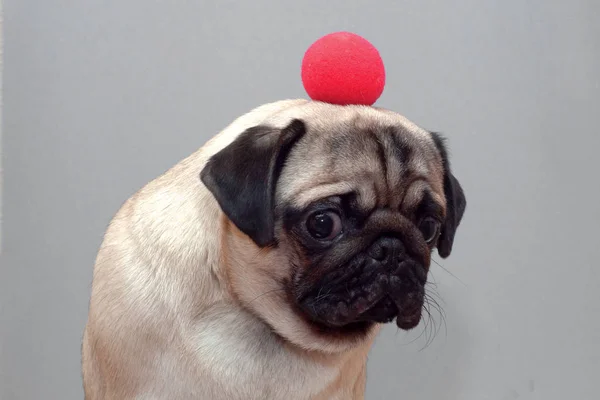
<point>378,155</point>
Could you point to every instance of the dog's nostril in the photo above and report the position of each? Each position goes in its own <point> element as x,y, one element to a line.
<point>386,249</point>
<point>378,253</point>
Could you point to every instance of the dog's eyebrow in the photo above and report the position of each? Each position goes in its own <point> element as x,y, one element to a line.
<point>428,206</point>
<point>303,199</point>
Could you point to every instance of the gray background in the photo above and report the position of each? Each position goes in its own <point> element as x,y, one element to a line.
<point>102,96</point>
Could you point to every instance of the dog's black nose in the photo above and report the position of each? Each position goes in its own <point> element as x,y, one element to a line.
<point>386,249</point>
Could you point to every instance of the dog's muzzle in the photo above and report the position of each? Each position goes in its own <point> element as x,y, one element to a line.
<point>378,285</point>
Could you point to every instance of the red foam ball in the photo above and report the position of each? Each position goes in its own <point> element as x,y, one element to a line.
<point>343,68</point>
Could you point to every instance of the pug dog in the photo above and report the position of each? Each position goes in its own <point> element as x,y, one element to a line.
<point>263,265</point>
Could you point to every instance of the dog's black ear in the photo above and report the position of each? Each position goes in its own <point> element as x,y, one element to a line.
<point>242,177</point>
<point>455,201</point>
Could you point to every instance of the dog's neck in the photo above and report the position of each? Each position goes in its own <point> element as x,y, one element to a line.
<point>261,360</point>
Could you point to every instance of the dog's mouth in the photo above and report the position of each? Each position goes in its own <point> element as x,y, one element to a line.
<point>407,313</point>
<point>353,305</point>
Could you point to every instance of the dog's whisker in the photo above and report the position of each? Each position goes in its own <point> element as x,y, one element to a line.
<point>434,331</point>
<point>320,296</point>
<point>449,273</point>
<point>421,334</point>
<point>433,293</point>
<point>438,306</point>
<point>434,324</point>
<point>265,293</point>
<point>434,283</point>
<point>441,312</point>
<point>323,297</point>
<point>319,292</point>
<point>427,328</point>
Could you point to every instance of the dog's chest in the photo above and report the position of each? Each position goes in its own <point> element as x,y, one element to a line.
<point>243,359</point>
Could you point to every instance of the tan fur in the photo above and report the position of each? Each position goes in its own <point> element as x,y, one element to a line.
<point>185,306</point>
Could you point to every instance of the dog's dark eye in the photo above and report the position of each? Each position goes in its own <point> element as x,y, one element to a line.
<point>429,228</point>
<point>324,225</point>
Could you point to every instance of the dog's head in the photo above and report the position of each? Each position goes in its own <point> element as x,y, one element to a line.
<point>332,219</point>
